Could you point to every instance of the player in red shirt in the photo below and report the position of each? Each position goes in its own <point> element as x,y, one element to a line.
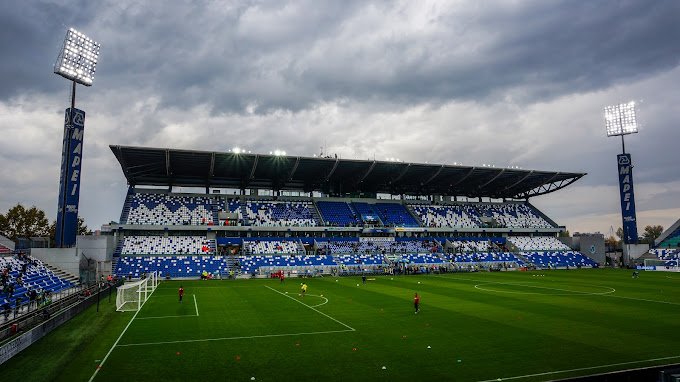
<point>181,293</point>
<point>281,277</point>
<point>416,300</point>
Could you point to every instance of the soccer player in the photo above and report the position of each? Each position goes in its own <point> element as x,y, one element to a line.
<point>363,277</point>
<point>304,289</point>
<point>181,293</point>
<point>636,274</point>
<point>281,277</point>
<point>416,300</point>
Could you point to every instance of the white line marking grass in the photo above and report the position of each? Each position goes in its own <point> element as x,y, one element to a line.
<point>183,315</point>
<point>118,340</point>
<point>581,369</point>
<point>312,308</point>
<point>570,292</point>
<point>236,338</point>
<point>583,294</point>
<point>323,303</point>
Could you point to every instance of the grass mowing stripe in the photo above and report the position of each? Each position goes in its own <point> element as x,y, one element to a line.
<point>571,292</point>
<point>607,294</point>
<point>235,338</point>
<point>185,315</point>
<point>580,369</point>
<point>642,299</point>
<point>316,310</point>
<point>119,337</point>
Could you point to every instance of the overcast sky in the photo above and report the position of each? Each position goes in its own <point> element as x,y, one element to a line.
<point>508,83</point>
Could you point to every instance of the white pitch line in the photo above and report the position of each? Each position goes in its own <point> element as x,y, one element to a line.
<point>323,303</point>
<point>579,369</point>
<point>150,318</point>
<point>643,299</point>
<point>119,337</point>
<point>183,315</point>
<point>582,293</point>
<point>312,308</point>
<point>236,338</point>
<point>571,292</point>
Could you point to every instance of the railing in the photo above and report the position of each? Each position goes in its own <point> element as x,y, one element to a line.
<point>23,317</point>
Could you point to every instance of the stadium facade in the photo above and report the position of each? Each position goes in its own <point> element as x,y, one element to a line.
<point>257,214</point>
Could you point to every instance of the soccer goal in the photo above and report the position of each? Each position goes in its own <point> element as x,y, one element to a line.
<point>131,296</point>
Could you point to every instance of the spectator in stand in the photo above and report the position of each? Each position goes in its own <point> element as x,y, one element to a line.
<point>33,297</point>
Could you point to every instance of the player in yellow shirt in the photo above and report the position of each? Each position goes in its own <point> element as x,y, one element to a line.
<point>304,289</point>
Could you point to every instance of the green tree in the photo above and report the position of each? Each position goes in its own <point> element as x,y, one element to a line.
<point>652,232</point>
<point>21,223</point>
<point>611,241</point>
<point>619,233</point>
<point>564,234</point>
<point>82,230</point>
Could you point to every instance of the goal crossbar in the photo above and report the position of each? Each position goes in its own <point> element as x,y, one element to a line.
<point>131,296</point>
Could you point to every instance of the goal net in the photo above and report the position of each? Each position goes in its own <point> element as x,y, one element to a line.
<point>131,296</point>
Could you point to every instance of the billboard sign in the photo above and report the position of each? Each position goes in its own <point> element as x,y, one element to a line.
<point>630,235</point>
<point>71,161</point>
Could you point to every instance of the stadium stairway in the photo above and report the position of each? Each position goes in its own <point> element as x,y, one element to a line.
<point>119,248</point>
<point>317,214</point>
<point>114,264</point>
<point>523,258</point>
<point>214,209</point>
<point>126,209</point>
<point>512,248</point>
<point>244,212</point>
<point>231,261</point>
<point>62,274</point>
<point>413,214</point>
<point>541,214</point>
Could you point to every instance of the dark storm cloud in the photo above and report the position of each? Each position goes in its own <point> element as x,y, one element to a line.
<point>504,82</point>
<point>291,55</point>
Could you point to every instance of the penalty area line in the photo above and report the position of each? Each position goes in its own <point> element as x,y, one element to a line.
<point>312,308</point>
<point>184,315</point>
<point>118,340</point>
<point>581,369</point>
<point>236,338</point>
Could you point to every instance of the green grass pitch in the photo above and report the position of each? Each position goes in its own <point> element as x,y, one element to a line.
<point>472,327</point>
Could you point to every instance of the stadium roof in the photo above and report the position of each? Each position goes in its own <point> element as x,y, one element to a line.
<point>333,176</point>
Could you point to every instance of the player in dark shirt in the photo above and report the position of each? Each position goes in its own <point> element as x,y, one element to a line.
<point>416,300</point>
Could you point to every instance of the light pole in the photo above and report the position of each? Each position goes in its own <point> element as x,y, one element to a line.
<point>77,61</point>
<point>621,120</point>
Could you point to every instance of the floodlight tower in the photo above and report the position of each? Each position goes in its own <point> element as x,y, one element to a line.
<point>77,61</point>
<point>621,120</point>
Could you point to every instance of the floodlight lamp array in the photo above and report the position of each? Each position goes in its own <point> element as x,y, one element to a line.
<point>77,59</point>
<point>620,119</point>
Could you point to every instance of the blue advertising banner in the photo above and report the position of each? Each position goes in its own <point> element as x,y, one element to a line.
<point>71,160</point>
<point>630,235</point>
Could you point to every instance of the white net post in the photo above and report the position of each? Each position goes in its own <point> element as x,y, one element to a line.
<point>131,296</point>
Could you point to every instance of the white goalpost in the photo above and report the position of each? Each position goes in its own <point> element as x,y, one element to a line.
<point>131,296</point>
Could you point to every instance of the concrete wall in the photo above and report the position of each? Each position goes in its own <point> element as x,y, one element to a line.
<point>591,246</point>
<point>7,242</point>
<point>67,259</point>
<point>633,251</point>
<point>97,248</point>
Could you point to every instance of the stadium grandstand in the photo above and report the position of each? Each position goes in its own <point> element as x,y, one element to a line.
<point>254,215</point>
<point>666,252</point>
